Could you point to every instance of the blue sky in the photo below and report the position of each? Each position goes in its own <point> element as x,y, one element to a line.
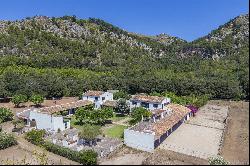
<point>187,19</point>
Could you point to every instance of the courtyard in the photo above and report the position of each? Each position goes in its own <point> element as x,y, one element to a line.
<point>201,136</point>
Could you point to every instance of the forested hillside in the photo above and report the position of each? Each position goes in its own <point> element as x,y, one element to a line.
<point>66,56</point>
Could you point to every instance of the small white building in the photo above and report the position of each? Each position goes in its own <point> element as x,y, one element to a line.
<point>148,135</point>
<point>48,118</point>
<point>98,97</point>
<point>149,102</point>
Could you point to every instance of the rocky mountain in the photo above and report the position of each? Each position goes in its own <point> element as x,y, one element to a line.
<point>25,36</point>
<point>228,39</point>
<point>94,42</point>
<point>168,40</point>
<point>66,56</point>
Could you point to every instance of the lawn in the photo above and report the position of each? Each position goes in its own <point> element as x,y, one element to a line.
<point>115,131</point>
<point>117,118</point>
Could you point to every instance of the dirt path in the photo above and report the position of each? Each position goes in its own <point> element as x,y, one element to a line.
<point>52,158</point>
<point>25,151</point>
<point>125,156</point>
<point>166,157</point>
<point>122,122</point>
<point>235,148</point>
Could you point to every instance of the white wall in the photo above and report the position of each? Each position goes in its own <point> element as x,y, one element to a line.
<point>47,122</point>
<point>151,105</point>
<point>139,140</point>
<point>57,123</point>
<point>43,121</point>
<point>99,102</point>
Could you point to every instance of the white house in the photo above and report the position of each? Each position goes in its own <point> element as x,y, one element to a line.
<point>48,121</point>
<point>149,102</point>
<point>47,117</point>
<point>98,97</point>
<point>148,135</point>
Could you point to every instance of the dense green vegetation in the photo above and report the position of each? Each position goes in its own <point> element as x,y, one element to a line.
<point>37,100</point>
<point>35,136</point>
<point>6,140</point>
<point>196,101</point>
<point>54,66</point>
<point>122,107</point>
<point>138,114</point>
<point>89,132</point>
<point>89,115</point>
<point>87,157</point>
<point>5,115</point>
<point>19,99</point>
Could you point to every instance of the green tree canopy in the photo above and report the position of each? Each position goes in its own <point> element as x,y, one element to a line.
<point>122,107</point>
<point>19,99</point>
<point>5,115</point>
<point>138,114</point>
<point>89,132</point>
<point>37,100</point>
<point>121,95</point>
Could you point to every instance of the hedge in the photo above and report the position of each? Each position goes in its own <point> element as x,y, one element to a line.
<point>88,157</point>
<point>7,140</point>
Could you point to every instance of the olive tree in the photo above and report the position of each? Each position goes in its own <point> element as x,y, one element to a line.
<point>89,133</point>
<point>37,100</point>
<point>19,99</point>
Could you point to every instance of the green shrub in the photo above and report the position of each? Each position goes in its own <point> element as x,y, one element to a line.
<point>5,115</point>
<point>35,136</point>
<point>37,100</point>
<point>7,140</point>
<point>88,157</point>
<point>138,113</point>
<point>197,101</point>
<point>19,99</point>
<point>217,161</point>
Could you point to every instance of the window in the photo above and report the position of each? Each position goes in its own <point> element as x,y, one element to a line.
<point>134,103</point>
<point>96,98</point>
<point>103,98</point>
<point>155,105</point>
<point>145,105</point>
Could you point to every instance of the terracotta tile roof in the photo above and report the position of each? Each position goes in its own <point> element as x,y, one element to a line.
<point>178,113</point>
<point>93,93</point>
<point>63,107</point>
<point>146,98</point>
<point>110,103</point>
<point>158,111</point>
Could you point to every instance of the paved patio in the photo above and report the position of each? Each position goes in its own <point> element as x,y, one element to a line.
<point>201,136</point>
